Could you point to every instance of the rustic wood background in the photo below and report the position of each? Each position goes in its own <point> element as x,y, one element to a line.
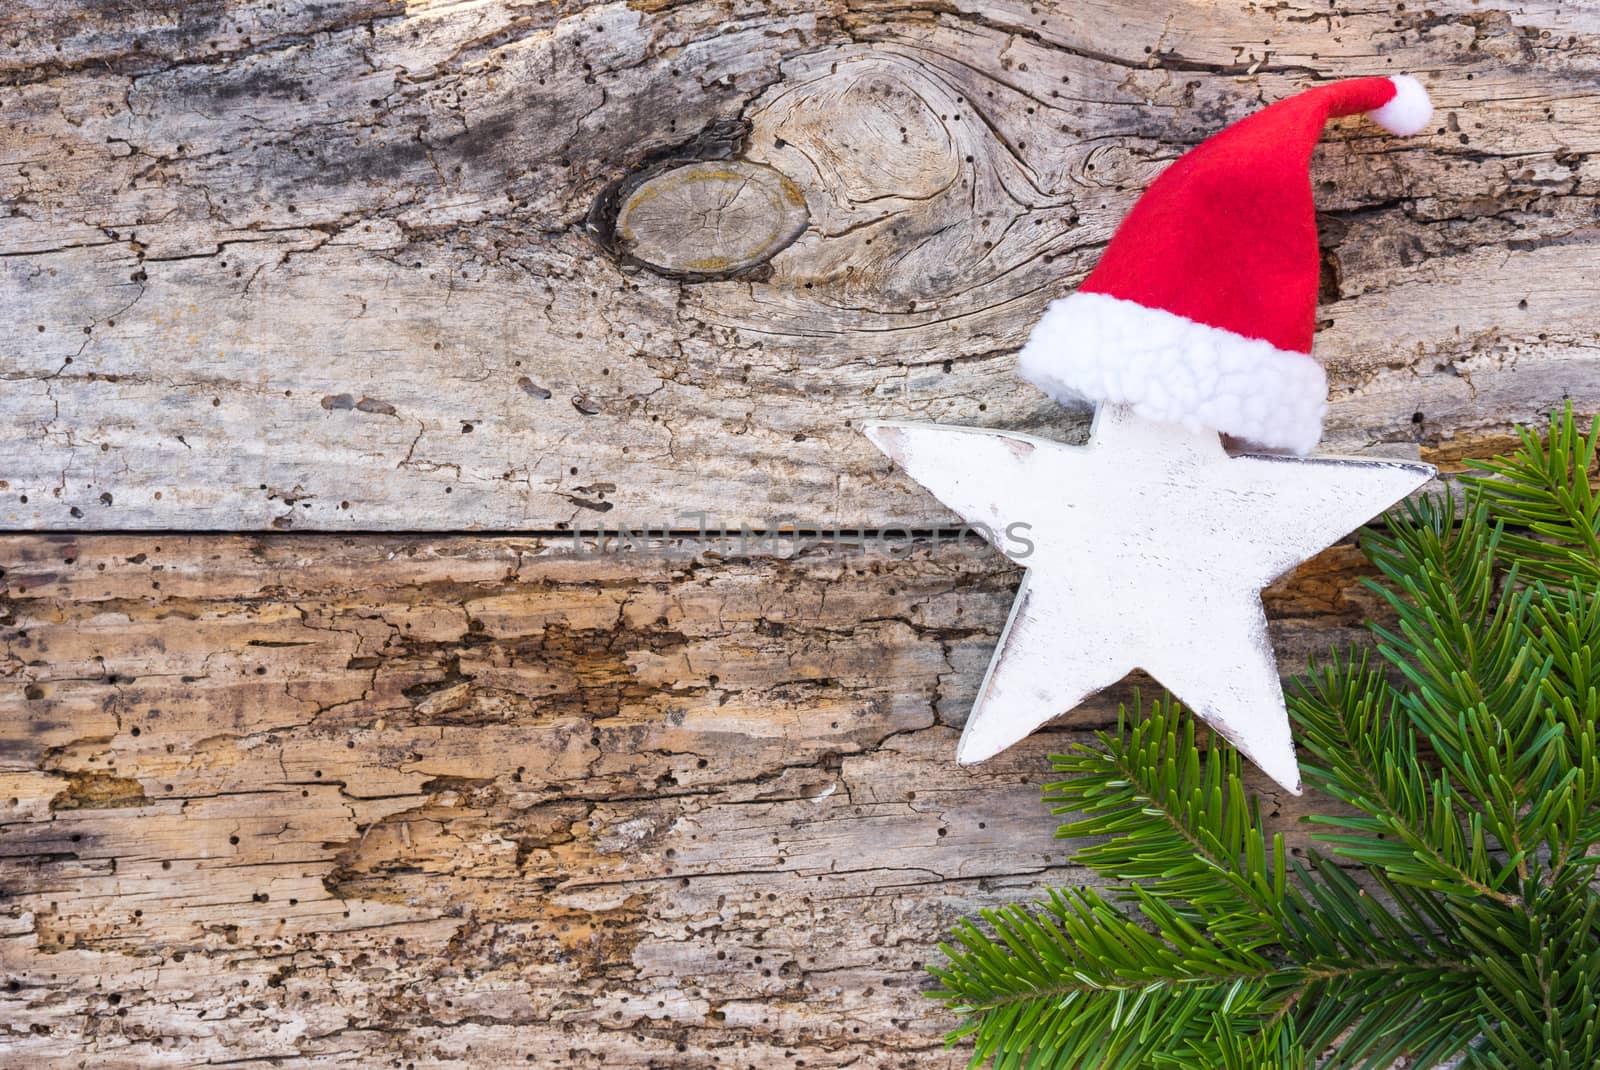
<point>294,294</point>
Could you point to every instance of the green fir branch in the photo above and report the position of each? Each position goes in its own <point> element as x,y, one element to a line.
<point>1178,822</point>
<point>1460,920</point>
<point>1550,488</point>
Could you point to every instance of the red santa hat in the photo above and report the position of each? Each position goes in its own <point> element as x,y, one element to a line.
<point>1201,309</point>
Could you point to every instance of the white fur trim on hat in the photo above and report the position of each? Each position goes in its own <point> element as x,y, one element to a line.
<point>1094,347</point>
<point>1408,111</point>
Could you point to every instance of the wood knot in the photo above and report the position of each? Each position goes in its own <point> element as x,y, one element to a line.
<point>695,211</point>
<point>710,218</point>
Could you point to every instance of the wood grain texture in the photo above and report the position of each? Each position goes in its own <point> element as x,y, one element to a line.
<point>431,801</point>
<point>340,266</point>
<point>443,802</point>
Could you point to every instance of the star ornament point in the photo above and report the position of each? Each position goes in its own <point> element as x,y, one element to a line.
<point>1147,548</point>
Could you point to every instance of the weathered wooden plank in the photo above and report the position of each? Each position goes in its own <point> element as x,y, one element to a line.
<point>336,266</point>
<point>476,802</point>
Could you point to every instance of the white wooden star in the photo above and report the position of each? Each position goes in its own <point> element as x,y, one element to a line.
<point>1150,546</point>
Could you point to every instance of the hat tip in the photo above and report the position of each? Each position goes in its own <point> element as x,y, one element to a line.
<point>1408,111</point>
